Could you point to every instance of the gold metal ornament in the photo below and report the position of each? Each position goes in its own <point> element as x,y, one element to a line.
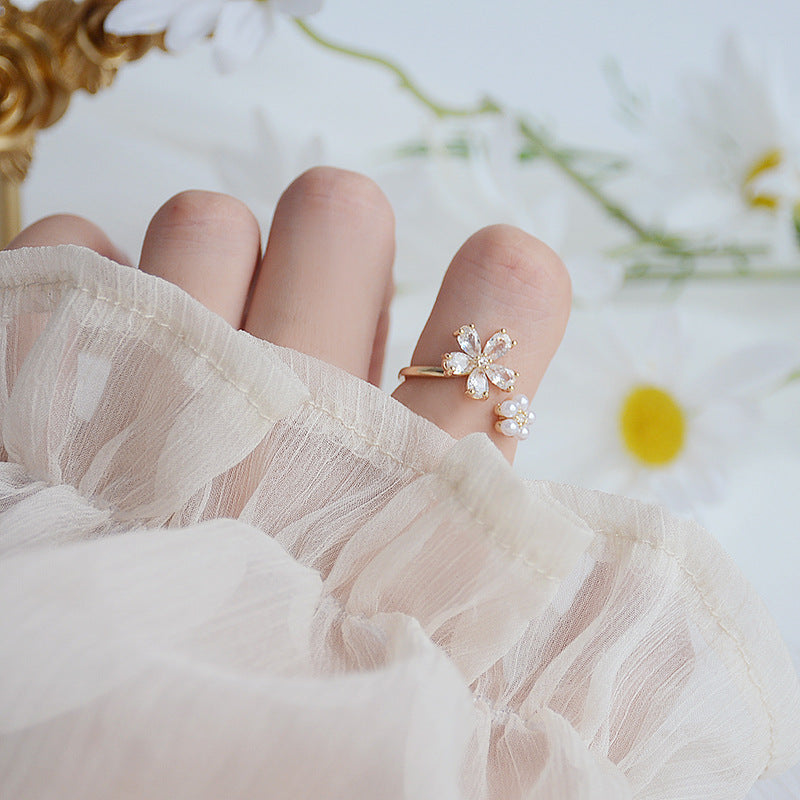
<point>46,54</point>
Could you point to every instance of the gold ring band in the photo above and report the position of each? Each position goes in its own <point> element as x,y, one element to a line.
<point>422,372</point>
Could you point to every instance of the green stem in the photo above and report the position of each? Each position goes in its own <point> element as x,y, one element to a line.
<point>564,165</point>
<point>487,106</point>
<point>645,272</point>
<point>699,251</point>
<point>670,245</point>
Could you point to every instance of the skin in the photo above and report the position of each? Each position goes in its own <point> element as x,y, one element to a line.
<point>325,283</point>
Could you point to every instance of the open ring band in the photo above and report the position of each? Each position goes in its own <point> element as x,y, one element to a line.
<point>423,372</point>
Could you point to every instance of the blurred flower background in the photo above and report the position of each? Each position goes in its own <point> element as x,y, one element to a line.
<point>657,149</point>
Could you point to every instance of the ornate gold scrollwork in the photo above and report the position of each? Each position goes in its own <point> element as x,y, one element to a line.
<point>45,55</point>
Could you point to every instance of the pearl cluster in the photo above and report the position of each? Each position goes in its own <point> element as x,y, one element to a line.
<point>515,418</point>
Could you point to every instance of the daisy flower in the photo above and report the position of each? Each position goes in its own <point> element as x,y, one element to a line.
<point>492,182</point>
<point>239,26</point>
<point>727,158</point>
<point>655,429</point>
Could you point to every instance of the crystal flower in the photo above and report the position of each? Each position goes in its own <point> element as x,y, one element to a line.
<point>479,365</point>
<point>515,418</point>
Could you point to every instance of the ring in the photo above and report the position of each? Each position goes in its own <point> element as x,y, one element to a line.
<point>515,418</point>
<point>475,362</point>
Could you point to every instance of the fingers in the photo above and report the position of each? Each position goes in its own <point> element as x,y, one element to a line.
<point>325,282</point>
<point>500,278</point>
<point>209,245</point>
<point>375,371</point>
<point>67,229</point>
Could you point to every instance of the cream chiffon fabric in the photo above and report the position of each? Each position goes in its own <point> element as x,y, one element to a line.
<point>228,570</point>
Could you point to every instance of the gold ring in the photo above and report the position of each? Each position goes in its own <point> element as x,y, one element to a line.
<point>422,372</point>
<point>474,361</point>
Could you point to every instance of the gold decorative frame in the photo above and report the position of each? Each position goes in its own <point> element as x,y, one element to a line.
<point>46,54</point>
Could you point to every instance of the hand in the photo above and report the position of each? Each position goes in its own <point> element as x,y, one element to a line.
<point>325,284</point>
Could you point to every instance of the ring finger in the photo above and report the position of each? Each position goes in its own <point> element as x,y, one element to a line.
<point>500,278</point>
<point>209,245</point>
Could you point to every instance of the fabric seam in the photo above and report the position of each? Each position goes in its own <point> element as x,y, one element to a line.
<point>215,365</point>
<point>495,540</point>
<point>129,307</point>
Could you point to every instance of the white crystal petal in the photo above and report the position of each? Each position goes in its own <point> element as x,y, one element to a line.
<point>509,428</point>
<point>522,401</point>
<point>469,341</point>
<point>499,344</point>
<point>523,433</point>
<point>477,384</point>
<point>531,418</point>
<point>457,363</point>
<point>501,376</point>
<point>508,408</point>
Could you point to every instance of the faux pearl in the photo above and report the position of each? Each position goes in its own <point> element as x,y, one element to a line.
<point>509,427</point>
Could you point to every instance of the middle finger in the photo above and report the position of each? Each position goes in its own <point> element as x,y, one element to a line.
<point>326,275</point>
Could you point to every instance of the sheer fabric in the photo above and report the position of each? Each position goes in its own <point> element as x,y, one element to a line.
<point>230,570</point>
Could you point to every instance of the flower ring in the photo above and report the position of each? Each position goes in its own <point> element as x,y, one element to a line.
<point>476,363</point>
<point>515,418</point>
<point>480,366</point>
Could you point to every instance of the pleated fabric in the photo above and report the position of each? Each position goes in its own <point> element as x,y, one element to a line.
<point>230,570</point>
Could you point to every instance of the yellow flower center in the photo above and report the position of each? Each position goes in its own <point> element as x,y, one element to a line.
<point>769,160</point>
<point>653,425</point>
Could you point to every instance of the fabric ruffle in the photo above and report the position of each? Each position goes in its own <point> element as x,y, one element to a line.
<point>230,570</point>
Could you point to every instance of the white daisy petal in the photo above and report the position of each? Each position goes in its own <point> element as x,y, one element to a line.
<point>676,488</point>
<point>478,384</point>
<point>709,483</point>
<point>469,341</point>
<point>664,349</point>
<point>722,425</point>
<point>242,28</point>
<point>750,371</point>
<point>594,279</point>
<point>192,22</point>
<point>131,17</point>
